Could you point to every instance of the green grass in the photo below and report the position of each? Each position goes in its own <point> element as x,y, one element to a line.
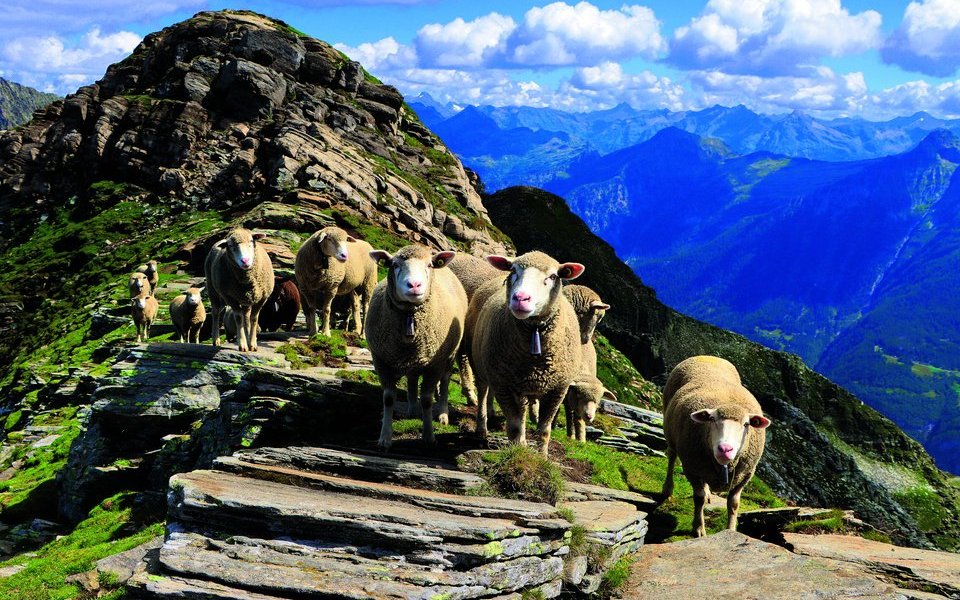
<point>523,473</point>
<point>320,350</point>
<point>614,580</point>
<point>110,528</point>
<point>360,376</point>
<point>415,427</point>
<point>620,377</point>
<point>925,506</point>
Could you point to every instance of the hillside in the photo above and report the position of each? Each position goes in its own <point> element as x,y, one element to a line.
<point>17,103</point>
<point>828,448</point>
<point>215,473</point>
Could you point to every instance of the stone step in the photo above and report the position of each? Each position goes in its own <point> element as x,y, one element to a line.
<point>575,492</point>
<point>239,504</point>
<point>418,473</point>
<point>289,569</point>
<point>632,413</point>
<point>616,526</point>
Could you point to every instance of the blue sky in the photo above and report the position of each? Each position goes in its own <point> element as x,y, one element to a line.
<point>830,58</point>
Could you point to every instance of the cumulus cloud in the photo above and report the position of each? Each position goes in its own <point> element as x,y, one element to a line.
<point>823,91</point>
<point>607,85</point>
<point>941,99</point>
<point>772,37</point>
<point>382,56</point>
<point>462,43</point>
<point>41,17</point>
<point>928,38</point>
<point>582,34</point>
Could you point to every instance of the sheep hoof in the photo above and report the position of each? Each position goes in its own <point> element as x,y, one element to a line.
<point>384,445</point>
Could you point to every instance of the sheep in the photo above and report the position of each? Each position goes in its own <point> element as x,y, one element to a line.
<point>414,329</point>
<point>582,399</point>
<point>150,270</point>
<point>716,427</point>
<point>589,307</point>
<point>282,306</point>
<point>139,285</point>
<point>187,314</point>
<point>525,342</point>
<point>332,263</point>
<point>144,311</point>
<point>240,275</point>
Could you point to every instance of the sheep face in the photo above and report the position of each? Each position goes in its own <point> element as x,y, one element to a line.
<point>411,272</point>
<point>588,396</point>
<point>333,242</point>
<point>534,283</point>
<point>151,267</point>
<point>193,296</point>
<point>241,247</point>
<point>138,281</point>
<point>727,428</point>
<point>597,311</point>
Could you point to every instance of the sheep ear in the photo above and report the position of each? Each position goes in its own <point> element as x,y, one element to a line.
<point>259,236</point>
<point>609,395</point>
<point>442,259</point>
<point>381,256</point>
<point>568,271</point>
<point>220,244</point>
<point>759,421</point>
<point>704,416</point>
<point>597,305</point>
<point>350,238</point>
<point>321,237</point>
<point>500,262</point>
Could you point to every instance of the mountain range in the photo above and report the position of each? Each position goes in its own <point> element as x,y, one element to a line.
<point>17,103</point>
<point>849,263</point>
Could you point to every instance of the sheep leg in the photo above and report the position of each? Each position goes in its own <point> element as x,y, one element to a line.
<point>243,336</point>
<point>700,493</point>
<point>426,407</point>
<point>733,503</point>
<point>357,320</point>
<point>255,325</point>
<point>568,413</point>
<point>386,428</point>
<point>482,416</point>
<point>194,336</point>
<point>514,410</point>
<point>581,428</point>
<point>326,304</point>
<point>667,490</point>
<point>467,382</point>
<point>533,407</point>
<point>443,396</point>
<point>367,297</point>
<point>310,314</point>
<point>548,412</point>
<point>215,325</point>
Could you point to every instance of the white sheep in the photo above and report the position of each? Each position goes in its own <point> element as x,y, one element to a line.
<point>716,427</point>
<point>413,329</point>
<point>139,285</point>
<point>143,309</point>
<point>240,275</point>
<point>150,270</point>
<point>585,395</point>
<point>590,310</point>
<point>332,263</point>
<point>187,314</point>
<point>526,342</point>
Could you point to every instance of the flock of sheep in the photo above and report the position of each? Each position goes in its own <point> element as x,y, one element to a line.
<point>518,332</point>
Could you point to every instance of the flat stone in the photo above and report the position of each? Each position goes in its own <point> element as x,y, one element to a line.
<point>586,491</point>
<point>125,565</point>
<point>731,565</point>
<point>632,413</point>
<point>604,515</point>
<point>11,570</point>
<point>928,570</point>
<point>46,441</point>
<point>368,467</point>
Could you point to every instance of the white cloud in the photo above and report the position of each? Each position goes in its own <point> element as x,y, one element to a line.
<point>38,18</point>
<point>822,92</point>
<point>381,56</point>
<point>940,99</point>
<point>52,64</point>
<point>462,43</point>
<point>607,85</point>
<point>928,38</point>
<point>772,37</point>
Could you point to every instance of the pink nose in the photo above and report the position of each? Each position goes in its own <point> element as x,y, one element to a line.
<point>415,286</point>
<point>246,261</point>
<point>342,256</point>
<point>725,450</point>
<point>521,297</point>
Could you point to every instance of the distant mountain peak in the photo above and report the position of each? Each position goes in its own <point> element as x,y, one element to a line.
<point>940,138</point>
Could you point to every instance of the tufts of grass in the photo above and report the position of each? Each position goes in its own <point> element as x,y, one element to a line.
<point>523,473</point>
<point>360,376</point>
<point>615,579</point>
<point>112,527</point>
<point>415,426</point>
<point>924,504</point>
<point>830,522</point>
<point>320,350</point>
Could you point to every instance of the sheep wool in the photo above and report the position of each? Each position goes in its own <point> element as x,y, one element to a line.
<point>332,263</point>
<point>150,270</point>
<point>472,272</point>
<point>239,275</point>
<point>589,307</point>
<point>716,427</point>
<point>585,395</point>
<point>143,309</point>
<point>413,329</point>
<point>525,342</point>
<point>187,314</point>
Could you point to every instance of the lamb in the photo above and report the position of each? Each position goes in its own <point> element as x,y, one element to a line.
<point>282,306</point>
<point>715,426</point>
<point>582,399</point>
<point>525,342</point>
<point>150,270</point>
<point>414,329</point>
<point>144,311</point>
<point>332,263</point>
<point>139,285</point>
<point>188,315</point>
<point>239,275</point>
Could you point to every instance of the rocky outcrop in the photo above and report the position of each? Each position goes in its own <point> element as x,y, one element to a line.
<point>826,447</point>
